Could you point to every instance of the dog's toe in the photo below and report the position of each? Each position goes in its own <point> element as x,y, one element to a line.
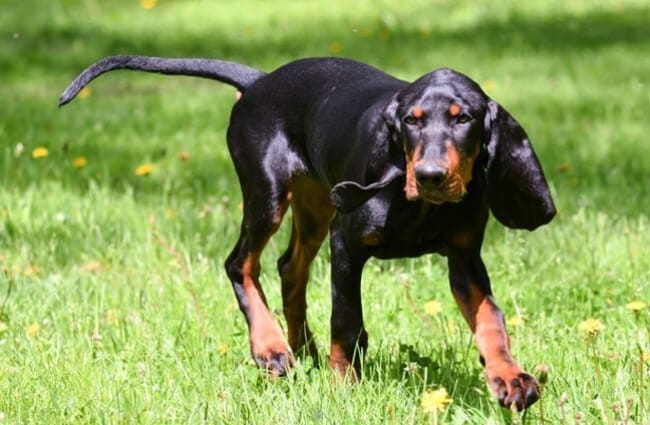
<point>514,387</point>
<point>277,362</point>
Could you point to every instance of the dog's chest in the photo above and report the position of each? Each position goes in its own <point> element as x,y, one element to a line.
<point>395,230</point>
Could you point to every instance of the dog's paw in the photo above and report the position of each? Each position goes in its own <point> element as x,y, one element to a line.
<point>274,357</point>
<point>512,386</point>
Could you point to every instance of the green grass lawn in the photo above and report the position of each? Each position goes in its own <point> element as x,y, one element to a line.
<point>114,305</point>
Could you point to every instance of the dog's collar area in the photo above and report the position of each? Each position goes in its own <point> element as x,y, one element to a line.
<point>347,196</point>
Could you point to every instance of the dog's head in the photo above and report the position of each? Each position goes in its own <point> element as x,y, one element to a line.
<point>447,126</point>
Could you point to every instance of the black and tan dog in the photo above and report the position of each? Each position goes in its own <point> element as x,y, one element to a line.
<point>391,169</point>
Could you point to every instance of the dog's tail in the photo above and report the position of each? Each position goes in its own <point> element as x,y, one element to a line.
<point>235,74</point>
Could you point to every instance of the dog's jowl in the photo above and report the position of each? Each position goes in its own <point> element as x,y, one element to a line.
<point>389,169</point>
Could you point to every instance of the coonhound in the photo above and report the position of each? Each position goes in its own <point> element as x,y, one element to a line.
<point>390,169</point>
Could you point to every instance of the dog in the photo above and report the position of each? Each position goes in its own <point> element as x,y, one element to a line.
<point>389,169</point>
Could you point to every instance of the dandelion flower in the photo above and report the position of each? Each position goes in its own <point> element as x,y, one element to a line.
<point>148,4</point>
<point>110,318</point>
<point>183,156</point>
<point>33,329</point>
<point>170,214</point>
<point>30,270</point>
<point>433,308</point>
<point>40,152</point>
<point>223,349</point>
<point>488,85</point>
<point>515,321</point>
<point>84,93</point>
<point>79,162</point>
<point>336,47</point>
<point>591,326</point>
<point>144,170</point>
<point>635,306</point>
<point>435,400</point>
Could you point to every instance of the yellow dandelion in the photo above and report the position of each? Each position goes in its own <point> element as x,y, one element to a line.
<point>84,93</point>
<point>184,156</point>
<point>591,326</point>
<point>433,308</point>
<point>148,4</point>
<point>79,162</point>
<point>110,318</point>
<point>144,170</point>
<point>335,47</point>
<point>434,401</point>
<point>384,34</point>
<point>223,349</point>
<point>635,306</point>
<point>40,152</point>
<point>33,330</point>
<point>232,307</point>
<point>565,167</point>
<point>645,356</point>
<point>515,321</point>
<point>488,85</point>
<point>91,267</point>
<point>170,214</point>
<point>30,270</point>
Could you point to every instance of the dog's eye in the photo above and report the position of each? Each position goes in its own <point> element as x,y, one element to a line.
<point>463,118</point>
<point>410,120</point>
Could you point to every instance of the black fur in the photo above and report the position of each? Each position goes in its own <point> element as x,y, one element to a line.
<point>391,169</point>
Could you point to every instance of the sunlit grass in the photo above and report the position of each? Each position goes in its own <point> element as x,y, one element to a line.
<point>117,212</point>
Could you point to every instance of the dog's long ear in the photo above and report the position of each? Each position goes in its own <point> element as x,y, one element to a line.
<point>516,187</point>
<point>392,120</point>
<point>348,195</point>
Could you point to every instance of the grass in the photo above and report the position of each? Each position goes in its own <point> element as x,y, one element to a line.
<point>101,322</point>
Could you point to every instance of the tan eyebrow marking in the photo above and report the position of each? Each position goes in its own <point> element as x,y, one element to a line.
<point>454,109</point>
<point>418,111</point>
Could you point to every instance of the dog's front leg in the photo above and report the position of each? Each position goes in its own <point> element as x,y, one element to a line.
<point>349,338</point>
<point>471,288</point>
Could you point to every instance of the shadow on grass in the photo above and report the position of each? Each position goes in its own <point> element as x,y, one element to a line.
<point>441,368</point>
<point>560,34</point>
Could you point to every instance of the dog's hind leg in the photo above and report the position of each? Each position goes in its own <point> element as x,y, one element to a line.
<point>265,200</point>
<point>312,213</point>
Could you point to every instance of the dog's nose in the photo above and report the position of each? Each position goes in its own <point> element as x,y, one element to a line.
<point>430,175</point>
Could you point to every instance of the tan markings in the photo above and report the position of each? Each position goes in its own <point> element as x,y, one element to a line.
<point>460,170</point>
<point>372,238</point>
<point>265,335</point>
<point>418,111</point>
<point>454,109</point>
<point>491,337</point>
<point>411,187</point>
<point>453,158</point>
<point>312,214</point>
<point>504,376</point>
<point>486,321</point>
<point>462,239</point>
<point>340,363</point>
